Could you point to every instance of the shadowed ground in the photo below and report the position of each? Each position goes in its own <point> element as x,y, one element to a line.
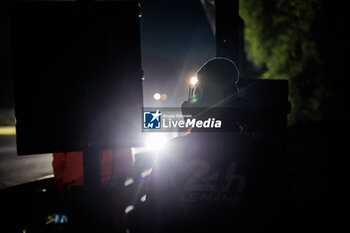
<point>15,169</point>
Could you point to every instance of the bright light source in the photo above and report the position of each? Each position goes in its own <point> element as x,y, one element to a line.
<point>129,208</point>
<point>194,80</point>
<point>155,141</point>
<point>157,96</point>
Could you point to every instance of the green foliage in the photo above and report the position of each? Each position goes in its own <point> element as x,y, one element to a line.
<point>281,38</point>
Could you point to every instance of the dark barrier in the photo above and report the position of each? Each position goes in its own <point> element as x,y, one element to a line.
<point>77,75</point>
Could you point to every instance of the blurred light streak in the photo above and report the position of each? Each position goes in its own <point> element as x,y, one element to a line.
<point>129,208</point>
<point>129,181</point>
<point>7,130</point>
<point>146,173</point>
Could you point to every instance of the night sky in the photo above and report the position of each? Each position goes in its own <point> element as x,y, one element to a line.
<point>176,39</point>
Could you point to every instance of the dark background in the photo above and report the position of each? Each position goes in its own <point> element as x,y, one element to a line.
<point>177,39</point>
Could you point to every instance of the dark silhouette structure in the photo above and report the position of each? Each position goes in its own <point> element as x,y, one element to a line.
<point>78,87</point>
<point>221,181</point>
<point>75,64</point>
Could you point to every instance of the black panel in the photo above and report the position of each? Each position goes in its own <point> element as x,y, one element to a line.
<point>77,72</point>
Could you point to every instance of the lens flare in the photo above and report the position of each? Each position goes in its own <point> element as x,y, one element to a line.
<point>164,96</point>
